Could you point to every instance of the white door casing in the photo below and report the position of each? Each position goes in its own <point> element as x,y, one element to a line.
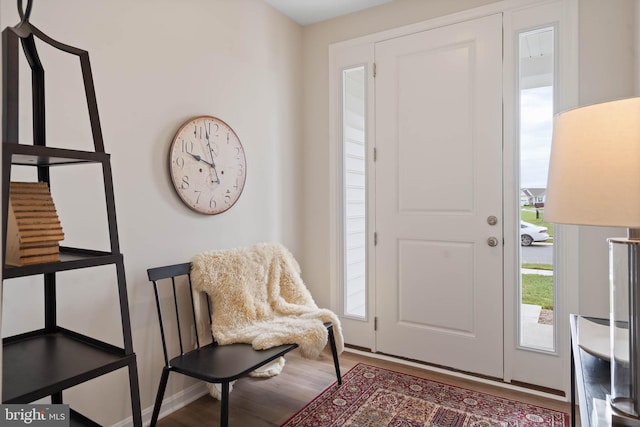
<point>542,368</point>
<point>438,124</point>
<point>357,332</point>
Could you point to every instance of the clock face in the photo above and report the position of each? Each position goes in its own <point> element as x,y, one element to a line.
<point>208,165</point>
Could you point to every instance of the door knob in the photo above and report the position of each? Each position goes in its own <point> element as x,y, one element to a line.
<point>492,241</point>
<point>492,220</point>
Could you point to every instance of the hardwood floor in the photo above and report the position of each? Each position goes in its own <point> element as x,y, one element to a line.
<point>259,402</point>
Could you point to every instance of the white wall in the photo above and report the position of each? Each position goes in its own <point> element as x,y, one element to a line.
<point>155,64</point>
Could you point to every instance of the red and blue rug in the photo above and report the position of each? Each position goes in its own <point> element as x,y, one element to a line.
<point>377,397</point>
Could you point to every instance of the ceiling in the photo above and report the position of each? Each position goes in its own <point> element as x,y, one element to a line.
<point>307,12</point>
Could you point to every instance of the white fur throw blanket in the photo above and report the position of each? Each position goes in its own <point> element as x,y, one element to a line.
<point>259,298</point>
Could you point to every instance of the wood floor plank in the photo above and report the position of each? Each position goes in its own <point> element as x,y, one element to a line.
<point>257,402</point>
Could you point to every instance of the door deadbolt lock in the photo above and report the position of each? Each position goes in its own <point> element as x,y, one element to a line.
<point>492,220</point>
<point>492,241</point>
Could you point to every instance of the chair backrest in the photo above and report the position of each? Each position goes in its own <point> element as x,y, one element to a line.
<point>177,275</point>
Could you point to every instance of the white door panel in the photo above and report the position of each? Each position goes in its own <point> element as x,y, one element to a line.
<point>416,306</point>
<point>438,178</point>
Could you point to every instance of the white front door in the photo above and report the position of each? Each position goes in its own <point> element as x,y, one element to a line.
<point>438,124</point>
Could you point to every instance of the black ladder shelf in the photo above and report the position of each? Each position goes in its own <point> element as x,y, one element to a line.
<point>42,363</point>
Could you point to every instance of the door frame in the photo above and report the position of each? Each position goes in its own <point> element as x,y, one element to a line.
<point>567,249</point>
<point>350,55</point>
<point>563,14</point>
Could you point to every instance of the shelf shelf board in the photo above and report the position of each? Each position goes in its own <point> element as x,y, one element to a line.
<point>79,420</point>
<point>592,374</point>
<point>35,155</point>
<point>70,259</point>
<point>37,365</point>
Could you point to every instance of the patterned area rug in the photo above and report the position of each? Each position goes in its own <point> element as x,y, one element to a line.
<point>376,397</point>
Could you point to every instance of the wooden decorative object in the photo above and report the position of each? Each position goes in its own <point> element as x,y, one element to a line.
<point>33,228</point>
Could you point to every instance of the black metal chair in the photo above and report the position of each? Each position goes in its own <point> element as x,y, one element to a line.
<point>213,363</point>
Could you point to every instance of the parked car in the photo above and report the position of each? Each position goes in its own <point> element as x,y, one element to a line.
<point>530,233</point>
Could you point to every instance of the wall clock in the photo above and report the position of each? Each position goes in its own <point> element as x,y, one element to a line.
<point>207,164</point>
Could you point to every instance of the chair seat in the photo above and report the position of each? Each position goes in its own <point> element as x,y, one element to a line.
<point>223,363</point>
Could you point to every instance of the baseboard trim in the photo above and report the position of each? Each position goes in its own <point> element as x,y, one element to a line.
<point>169,404</point>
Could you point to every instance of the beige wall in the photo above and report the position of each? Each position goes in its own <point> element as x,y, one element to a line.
<point>156,63</point>
<point>607,71</point>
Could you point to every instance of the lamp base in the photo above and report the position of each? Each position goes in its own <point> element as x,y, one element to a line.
<point>624,274</point>
<point>620,419</point>
<point>604,415</point>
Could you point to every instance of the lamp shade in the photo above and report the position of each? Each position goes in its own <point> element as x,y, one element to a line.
<point>594,171</point>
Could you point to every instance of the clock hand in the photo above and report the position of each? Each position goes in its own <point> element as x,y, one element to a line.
<point>213,164</point>
<point>200,159</point>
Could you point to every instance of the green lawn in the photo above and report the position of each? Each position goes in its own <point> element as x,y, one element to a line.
<point>537,290</point>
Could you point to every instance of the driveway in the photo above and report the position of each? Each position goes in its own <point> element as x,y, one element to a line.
<point>537,253</point>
